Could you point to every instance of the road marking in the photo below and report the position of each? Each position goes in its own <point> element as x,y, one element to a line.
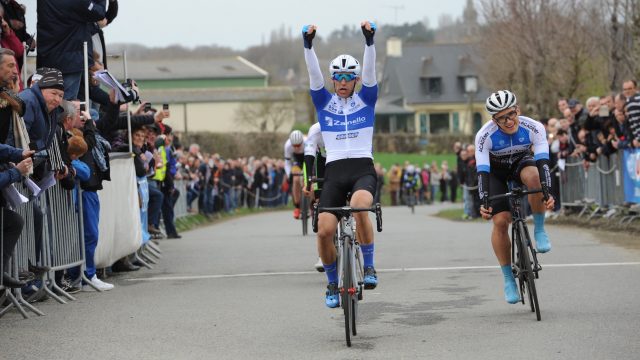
<point>287,273</point>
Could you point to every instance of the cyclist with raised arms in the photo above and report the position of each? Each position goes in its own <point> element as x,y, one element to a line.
<point>346,120</point>
<point>315,158</point>
<point>294,160</point>
<point>504,153</point>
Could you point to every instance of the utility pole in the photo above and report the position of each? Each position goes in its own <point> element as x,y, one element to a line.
<point>395,11</point>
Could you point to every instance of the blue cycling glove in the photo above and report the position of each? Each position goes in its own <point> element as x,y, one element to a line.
<point>308,38</point>
<point>368,34</point>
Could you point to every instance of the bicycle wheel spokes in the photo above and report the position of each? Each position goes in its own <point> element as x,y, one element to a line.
<point>527,253</point>
<point>346,291</point>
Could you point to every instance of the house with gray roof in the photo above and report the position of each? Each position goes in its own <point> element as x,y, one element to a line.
<point>195,73</point>
<point>226,94</point>
<point>430,89</point>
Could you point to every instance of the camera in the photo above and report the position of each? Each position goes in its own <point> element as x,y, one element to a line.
<point>133,97</point>
<point>39,157</point>
<point>165,106</point>
<point>83,107</point>
<point>147,107</point>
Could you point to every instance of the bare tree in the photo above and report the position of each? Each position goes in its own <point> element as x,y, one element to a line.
<point>265,115</point>
<point>543,49</point>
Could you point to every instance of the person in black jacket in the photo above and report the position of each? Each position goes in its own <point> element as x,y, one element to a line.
<point>12,222</point>
<point>63,26</point>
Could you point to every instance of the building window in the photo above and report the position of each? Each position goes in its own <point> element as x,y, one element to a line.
<point>405,124</point>
<point>382,124</point>
<point>423,124</point>
<point>456,122</point>
<point>432,85</point>
<point>435,85</point>
<point>477,122</point>
<point>438,123</point>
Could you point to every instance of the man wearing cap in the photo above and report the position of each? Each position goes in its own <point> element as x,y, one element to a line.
<point>42,107</point>
<point>579,114</point>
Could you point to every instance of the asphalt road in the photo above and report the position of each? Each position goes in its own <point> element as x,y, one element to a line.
<point>246,289</point>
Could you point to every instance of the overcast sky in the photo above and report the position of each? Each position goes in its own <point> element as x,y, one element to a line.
<point>239,24</point>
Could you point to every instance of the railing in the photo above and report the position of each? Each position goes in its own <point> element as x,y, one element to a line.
<point>599,189</point>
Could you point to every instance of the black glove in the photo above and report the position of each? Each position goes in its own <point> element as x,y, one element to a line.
<point>308,38</point>
<point>368,34</point>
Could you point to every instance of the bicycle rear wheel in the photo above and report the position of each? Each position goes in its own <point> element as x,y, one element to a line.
<point>304,214</point>
<point>345,294</point>
<point>530,278</point>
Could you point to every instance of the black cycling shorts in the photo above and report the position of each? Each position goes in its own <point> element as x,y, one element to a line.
<point>321,163</point>
<point>499,178</point>
<point>296,160</point>
<point>347,176</point>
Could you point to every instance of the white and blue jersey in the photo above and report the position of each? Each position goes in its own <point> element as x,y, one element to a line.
<point>494,148</point>
<point>346,124</point>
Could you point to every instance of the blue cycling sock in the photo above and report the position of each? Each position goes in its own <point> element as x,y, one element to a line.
<point>332,272</point>
<point>538,221</point>
<point>367,254</point>
<point>507,272</point>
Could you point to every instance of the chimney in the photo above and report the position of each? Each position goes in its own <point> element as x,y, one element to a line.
<point>394,47</point>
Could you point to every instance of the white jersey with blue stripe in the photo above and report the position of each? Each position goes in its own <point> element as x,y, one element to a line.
<point>494,148</point>
<point>346,124</point>
<point>314,143</point>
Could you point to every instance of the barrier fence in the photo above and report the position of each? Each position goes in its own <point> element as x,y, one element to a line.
<point>599,189</point>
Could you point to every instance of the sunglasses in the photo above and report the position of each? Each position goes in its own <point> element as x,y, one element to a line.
<point>508,116</point>
<point>343,76</point>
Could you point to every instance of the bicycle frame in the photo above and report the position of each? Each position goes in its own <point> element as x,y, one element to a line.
<point>516,220</point>
<point>524,267</point>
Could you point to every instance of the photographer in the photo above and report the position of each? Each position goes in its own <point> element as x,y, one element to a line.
<point>12,222</point>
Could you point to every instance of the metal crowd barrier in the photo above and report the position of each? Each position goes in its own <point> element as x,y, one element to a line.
<point>61,244</point>
<point>180,208</point>
<point>595,189</point>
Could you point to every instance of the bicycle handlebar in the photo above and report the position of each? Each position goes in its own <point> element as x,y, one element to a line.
<point>515,192</point>
<point>313,180</point>
<point>346,211</point>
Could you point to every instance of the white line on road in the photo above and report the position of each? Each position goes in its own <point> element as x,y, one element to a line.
<point>451,268</point>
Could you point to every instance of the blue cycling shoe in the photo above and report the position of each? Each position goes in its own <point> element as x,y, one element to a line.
<point>370,278</point>
<point>542,241</point>
<point>333,296</point>
<point>511,292</point>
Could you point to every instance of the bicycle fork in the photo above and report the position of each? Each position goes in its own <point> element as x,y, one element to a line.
<point>349,249</point>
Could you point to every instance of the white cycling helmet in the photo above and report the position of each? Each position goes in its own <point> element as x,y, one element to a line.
<point>296,137</point>
<point>411,169</point>
<point>500,100</point>
<point>344,64</point>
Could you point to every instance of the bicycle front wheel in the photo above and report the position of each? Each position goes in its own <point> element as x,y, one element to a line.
<point>346,294</point>
<point>530,277</point>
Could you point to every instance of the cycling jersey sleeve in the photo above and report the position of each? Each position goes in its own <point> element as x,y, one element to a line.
<point>369,66</point>
<point>483,146</point>
<point>316,81</point>
<point>541,155</point>
<point>288,154</point>
<point>308,165</point>
<point>369,91</point>
<point>310,149</point>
